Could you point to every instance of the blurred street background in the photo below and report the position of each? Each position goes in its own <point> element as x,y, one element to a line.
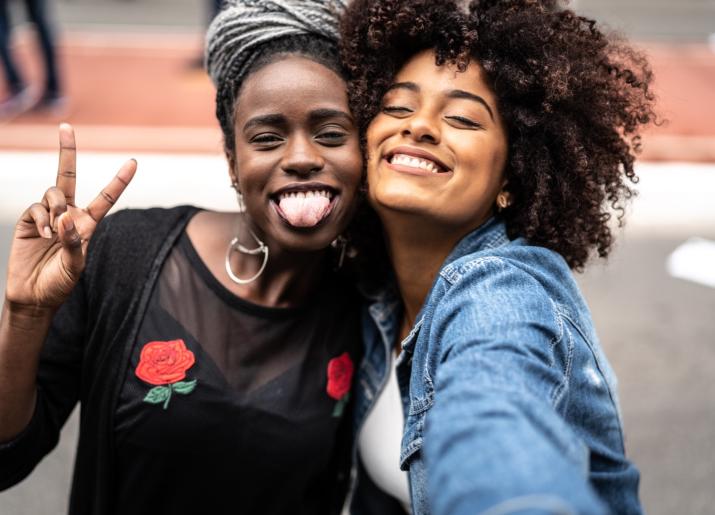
<point>132,88</point>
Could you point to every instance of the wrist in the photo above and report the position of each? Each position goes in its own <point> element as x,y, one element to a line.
<point>26,317</point>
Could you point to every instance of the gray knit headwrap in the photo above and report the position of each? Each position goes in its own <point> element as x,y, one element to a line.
<point>243,26</point>
<point>236,36</point>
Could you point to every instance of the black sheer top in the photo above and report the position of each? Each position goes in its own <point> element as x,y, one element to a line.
<point>230,407</point>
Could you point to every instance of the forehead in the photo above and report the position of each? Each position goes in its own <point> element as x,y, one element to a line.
<point>422,70</point>
<point>292,85</point>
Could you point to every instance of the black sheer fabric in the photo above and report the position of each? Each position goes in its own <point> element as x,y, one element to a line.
<point>257,433</point>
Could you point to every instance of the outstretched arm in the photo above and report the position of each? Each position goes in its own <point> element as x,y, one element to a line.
<point>494,440</point>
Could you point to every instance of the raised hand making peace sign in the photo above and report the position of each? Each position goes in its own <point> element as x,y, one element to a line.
<point>50,241</point>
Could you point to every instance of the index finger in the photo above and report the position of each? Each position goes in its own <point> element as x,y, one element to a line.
<point>67,167</point>
<point>103,202</point>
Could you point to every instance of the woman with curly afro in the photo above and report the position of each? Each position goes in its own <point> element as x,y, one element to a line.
<point>500,139</point>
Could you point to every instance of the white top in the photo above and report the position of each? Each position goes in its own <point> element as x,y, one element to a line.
<point>380,440</point>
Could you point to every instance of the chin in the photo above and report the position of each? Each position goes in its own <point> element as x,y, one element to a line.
<point>399,202</point>
<point>301,240</point>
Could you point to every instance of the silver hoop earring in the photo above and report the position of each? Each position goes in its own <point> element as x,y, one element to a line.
<point>236,246</point>
<point>239,198</point>
<point>342,245</point>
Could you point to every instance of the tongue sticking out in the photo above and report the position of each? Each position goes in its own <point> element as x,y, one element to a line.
<point>305,211</point>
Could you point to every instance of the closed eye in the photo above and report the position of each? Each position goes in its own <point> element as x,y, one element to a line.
<point>465,122</point>
<point>332,137</point>
<point>396,110</point>
<point>266,139</point>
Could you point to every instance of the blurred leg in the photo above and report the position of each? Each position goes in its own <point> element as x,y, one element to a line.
<point>38,15</point>
<point>14,81</point>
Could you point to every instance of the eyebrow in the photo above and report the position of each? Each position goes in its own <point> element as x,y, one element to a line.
<point>318,115</point>
<point>455,93</point>
<point>264,119</point>
<point>315,116</point>
<point>404,85</point>
<point>458,93</point>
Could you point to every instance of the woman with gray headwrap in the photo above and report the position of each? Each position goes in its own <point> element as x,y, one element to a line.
<point>212,352</point>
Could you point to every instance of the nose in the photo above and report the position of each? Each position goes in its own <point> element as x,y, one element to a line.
<point>302,157</point>
<point>422,127</point>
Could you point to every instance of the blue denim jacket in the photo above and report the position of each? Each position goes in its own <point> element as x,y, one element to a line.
<point>510,404</point>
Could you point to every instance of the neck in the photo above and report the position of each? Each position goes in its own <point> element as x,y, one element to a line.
<point>291,278</point>
<point>288,279</point>
<point>417,256</point>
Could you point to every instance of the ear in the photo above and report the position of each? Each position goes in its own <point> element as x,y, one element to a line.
<point>232,170</point>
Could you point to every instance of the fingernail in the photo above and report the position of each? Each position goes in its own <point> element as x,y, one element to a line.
<point>67,223</point>
<point>47,232</point>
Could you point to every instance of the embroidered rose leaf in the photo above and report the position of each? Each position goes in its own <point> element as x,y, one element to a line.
<point>340,405</point>
<point>184,387</point>
<point>157,395</point>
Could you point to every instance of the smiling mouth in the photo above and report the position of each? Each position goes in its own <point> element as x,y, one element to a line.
<point>415,164</point>
<point>304,206</point>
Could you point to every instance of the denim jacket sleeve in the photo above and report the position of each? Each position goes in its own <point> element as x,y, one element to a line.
<point>494,439</point>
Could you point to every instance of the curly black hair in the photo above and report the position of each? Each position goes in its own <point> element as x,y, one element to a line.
<point>572,97</point>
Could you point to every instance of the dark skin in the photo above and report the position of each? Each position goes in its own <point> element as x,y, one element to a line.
<point>449,122</point>
<point>309,138</point>
<point>283,141</point>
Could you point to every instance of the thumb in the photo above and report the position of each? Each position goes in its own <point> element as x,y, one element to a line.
<point>72,252</point>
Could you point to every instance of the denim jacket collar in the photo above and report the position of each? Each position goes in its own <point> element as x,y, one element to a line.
<point>490,234</point>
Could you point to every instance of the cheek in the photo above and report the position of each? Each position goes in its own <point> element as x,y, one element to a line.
<point>349,165</point>
<point>374,135</point>
<point>252,169</point>
<point>485,156</point>
<point>251,184</point>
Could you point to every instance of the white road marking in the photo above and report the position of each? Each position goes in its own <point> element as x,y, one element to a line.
<point>694,261</point>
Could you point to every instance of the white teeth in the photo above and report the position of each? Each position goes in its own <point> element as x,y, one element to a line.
<point>414,162</point>
<point>305,194</point>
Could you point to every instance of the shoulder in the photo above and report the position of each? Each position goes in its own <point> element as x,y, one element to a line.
<point>134,227</point>
<point>127,239</point>
<point>516,259</point>
<point>512,287</point>
<point>152,220</point>
<point>527,274</point>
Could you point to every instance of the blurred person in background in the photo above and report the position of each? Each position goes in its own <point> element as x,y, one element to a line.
<point>20,95</point>
<point>499,141</point>
<point>212,353</point>
<point>212,8</point>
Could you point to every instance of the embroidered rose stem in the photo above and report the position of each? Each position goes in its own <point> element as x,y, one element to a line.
<point>168,397</point>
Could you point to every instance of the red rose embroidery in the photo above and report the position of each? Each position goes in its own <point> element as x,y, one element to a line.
<point>340,376</point>
<point>165,364</point>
